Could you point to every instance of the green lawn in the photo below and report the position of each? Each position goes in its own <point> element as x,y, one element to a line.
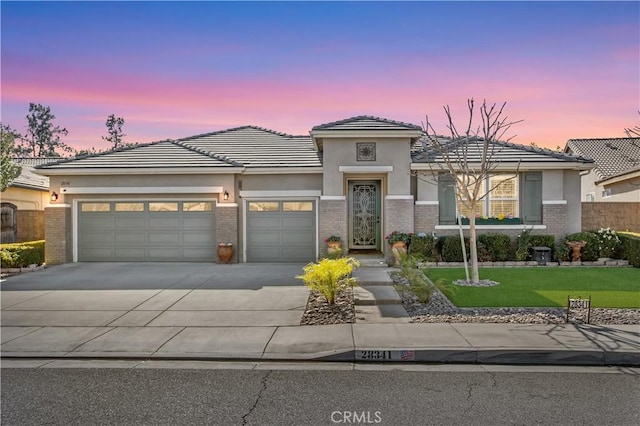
<point>546,287</point>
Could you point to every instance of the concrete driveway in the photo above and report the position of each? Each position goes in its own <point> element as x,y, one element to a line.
<point>146,276</point>
<point>155,295</point>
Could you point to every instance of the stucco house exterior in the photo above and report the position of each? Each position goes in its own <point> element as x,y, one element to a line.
<point>276,197</point>
<point>23,203</point>
<point>616,175</point>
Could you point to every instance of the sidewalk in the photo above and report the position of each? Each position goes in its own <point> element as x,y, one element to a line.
<point>262,323</point>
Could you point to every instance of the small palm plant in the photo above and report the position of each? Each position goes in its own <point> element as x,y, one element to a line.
<point>330,276</point>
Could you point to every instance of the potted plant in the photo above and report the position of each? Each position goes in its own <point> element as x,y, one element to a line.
<point>399,242</point>
<point>225,252</point>
<point>334,244</point>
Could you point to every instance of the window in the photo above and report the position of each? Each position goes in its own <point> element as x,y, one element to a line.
<point>96,207</point>
<point>163,206</point>
<point>297,206</point>
<point>129,207</point>
<point>197,206</point>
<point>606,193</point>
<point>590,197</point>
<point>501,198</point>
<point>264,206</point>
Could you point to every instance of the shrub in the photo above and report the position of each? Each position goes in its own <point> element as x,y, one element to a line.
<point>590,252</point>
<point>451,249</point>
<point>498,246</point>
<point>423,247</point>
<point>330,276</point>
<point>523,243</point>
<point>608,242</point>
<point>419,284</point>
<point>630,248</point>
<point>22,254</point>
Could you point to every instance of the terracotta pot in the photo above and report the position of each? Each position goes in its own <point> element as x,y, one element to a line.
<point>398,250</point>
<point>225,253</point>
<point>334,247</point>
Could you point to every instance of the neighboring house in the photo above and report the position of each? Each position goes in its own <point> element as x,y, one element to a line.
<point>616,176</point>
<point>276,197</point>
<point>23,203</point>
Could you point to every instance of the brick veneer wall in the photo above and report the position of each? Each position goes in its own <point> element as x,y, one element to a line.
<point>425,217</point>
<point>619,216</point>
<point>398,216</point>
<point>332,218</point>
<point>227,228</point>
<point>556,217</point>
<point>57,233</point>
<point>30,225</point>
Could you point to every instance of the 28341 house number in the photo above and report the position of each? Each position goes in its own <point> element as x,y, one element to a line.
<point>374,355</point>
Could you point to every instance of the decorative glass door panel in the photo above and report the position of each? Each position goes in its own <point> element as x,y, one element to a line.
<point>364,215</point>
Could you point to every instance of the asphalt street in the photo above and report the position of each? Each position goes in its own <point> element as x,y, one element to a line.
<point>249,396</point>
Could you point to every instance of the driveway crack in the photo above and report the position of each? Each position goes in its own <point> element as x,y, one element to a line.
<point>263,387</point>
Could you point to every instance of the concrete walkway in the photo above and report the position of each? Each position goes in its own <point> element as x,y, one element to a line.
<point>261,323</point>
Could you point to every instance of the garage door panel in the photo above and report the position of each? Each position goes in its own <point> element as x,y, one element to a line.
<point>161,223</point>
<point>298,238</point>
<point>128,222</point>
<point>168,237</point>
<point>145,235</point>
<point>281,236</point>
<point>198,238</point>
<point>129,253</point>
<point>167,253</point>
<point>97,238</point>
<point>197,222</point>
<point>98,222</point>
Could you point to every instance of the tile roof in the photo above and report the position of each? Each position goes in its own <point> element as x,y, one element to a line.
<point>258,147</point>
<point>613,156</point>
<point>366,122</point>
<point>162,154</point>
<point>27,178</point>
<point>507,152</point>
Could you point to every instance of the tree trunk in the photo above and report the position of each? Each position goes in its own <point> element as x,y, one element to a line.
<point>475,276</point>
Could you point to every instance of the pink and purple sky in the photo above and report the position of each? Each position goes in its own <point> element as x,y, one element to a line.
<point>171,70</point>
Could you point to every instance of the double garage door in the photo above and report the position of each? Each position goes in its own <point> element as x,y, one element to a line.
<point>118,231</point>
<point>281,231</point>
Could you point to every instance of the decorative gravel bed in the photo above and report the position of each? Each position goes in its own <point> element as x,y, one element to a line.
<point>440,309</point>
<point>320,312</point>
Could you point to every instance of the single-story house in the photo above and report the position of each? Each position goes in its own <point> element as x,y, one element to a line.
<point>24,201</point>
<point>276,197</point>
<point>616,175</point>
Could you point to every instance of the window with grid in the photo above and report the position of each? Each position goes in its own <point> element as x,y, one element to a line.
<point>501,200</point>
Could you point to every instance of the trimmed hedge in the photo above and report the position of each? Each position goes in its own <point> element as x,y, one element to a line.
<point>22,254</point>
<point>630,249</point>
<point>423,246</point>
<point>451,249</point>
<point>498,247</point>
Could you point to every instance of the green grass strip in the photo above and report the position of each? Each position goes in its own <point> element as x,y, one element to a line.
<point>546,287</point>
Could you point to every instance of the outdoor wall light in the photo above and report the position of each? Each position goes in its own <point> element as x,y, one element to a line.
<point>225,196</point>
<point>54,196</point>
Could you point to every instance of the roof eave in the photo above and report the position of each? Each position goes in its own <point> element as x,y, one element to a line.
<point>138,171</point>
<point>511,166</point>
<point>619,178</point>
<point>366,133</point>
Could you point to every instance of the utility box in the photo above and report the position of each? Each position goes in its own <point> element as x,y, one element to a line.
<point>541,254</point>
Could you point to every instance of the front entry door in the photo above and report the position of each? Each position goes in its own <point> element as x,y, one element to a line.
<point>364,215</point>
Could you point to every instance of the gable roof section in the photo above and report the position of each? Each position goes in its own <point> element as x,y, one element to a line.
<point>256,147</point>
<point>153,156</point>
<point>28,179</point>
<point>613,157</point>
<point>366,122</point>
<point>505,153</point>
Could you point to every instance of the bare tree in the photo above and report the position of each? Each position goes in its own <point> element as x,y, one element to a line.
<point>114,128</point>
<point>470,158</point>
<point>633,132</point>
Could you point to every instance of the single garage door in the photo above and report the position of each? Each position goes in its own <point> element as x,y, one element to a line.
<point>146,231</point>
<point>281,231</point>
